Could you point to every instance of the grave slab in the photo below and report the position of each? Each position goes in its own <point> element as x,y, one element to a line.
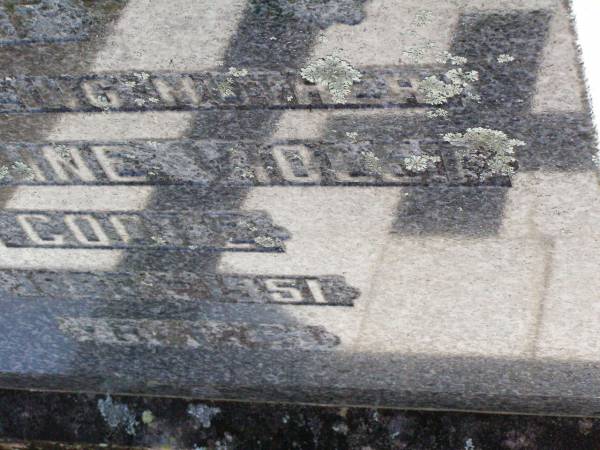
<point>344,202</point>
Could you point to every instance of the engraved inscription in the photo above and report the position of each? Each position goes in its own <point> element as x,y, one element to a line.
<point>197,335</point>
<point>329,290</point>
<point>380,87</point>
<point>205,162</point>
<point>216,230</point>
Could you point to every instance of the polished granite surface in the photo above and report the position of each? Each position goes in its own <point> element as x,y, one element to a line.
<point>356,202</point>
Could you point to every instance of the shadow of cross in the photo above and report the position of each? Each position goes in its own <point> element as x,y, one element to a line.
<point>555,142</point>
<point>117,306</point>
<point>272,35</point>
<point>328,236</point>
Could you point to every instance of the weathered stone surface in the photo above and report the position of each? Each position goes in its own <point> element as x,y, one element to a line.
<point>348,202</point>
<point>25,21</point>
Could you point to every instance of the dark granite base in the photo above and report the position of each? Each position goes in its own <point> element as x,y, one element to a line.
<point>37,420</point>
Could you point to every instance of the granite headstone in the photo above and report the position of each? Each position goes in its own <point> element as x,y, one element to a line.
<point>350,202</point>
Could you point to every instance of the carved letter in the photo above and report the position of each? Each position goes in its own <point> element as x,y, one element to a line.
<point>281,291</point>
<point>75,165</point>
<point>108,163</point>
<point>184,93</point>
<point>286,170</point>
<point>23,220</point>
<point>100,97</point>
<point>71,221</point>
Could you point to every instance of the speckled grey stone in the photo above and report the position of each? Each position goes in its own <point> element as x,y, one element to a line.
<point>184,212</point>
<point>23,21</point>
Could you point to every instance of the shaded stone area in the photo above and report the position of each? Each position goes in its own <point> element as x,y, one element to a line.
<point>48,20</point>
<point>90,421</point>
<point>43,22</point>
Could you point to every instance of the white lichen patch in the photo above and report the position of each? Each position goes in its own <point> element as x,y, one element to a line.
<point>461,78</point>
<point>103,102</point>
<point>203,413</point>
<point>473,97</point>
<point>249,226</point>
<point>225,88</point>
<point>3,172</point>
<point>139,101</point>
<point>420,163</point>
<point>436,91</point>
<point>469,444</point>
<point>23,171</point>
<point>62,151</point>
<point>436,113</point>
<point>422,18</point>
<point>370,163</point>
<point>267,242</point>
<point>352,136</point>
<point>237,73</point>
<point>416,54</point>
<point>158,240</point>
<point>334,73</point>
<point>117,415</point>
<point>447,57</point>
<point>595,158</point>
<point>142,76</point>
<point>491,152</point>
<point>505,58</point>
